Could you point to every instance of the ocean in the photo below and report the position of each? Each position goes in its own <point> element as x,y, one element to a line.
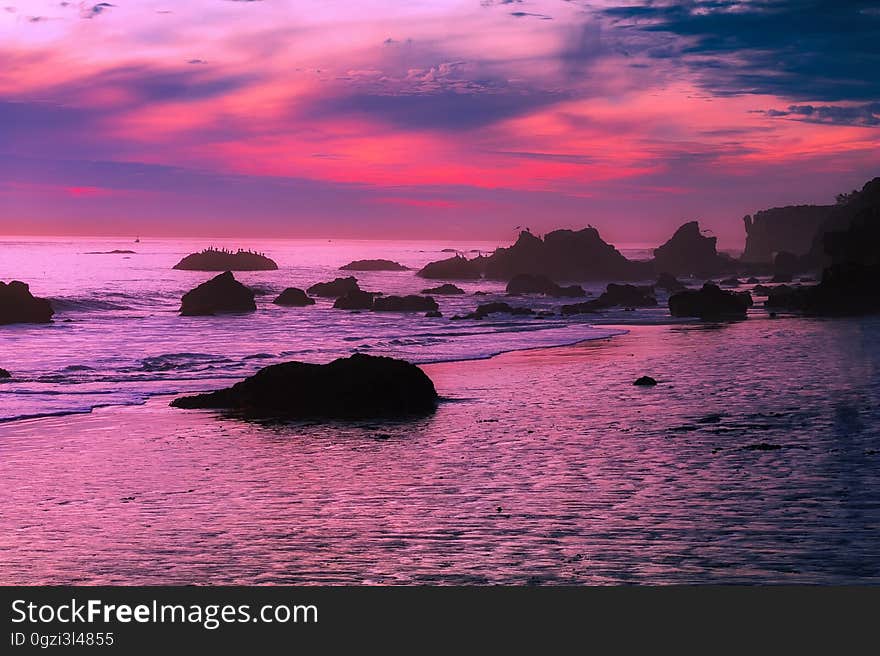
<point>117,338</point>
<point>754,460</point>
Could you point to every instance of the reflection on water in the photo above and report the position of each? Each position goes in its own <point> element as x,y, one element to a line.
<point>756,459</point>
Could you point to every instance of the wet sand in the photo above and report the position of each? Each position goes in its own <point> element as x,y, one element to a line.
<point>754,460</point>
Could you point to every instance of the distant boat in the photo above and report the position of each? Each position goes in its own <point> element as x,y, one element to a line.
<point>137,240</point>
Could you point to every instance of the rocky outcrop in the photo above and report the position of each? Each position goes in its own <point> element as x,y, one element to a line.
<point>840,218</point>
<point>293,297</point>
<point>789,229</point>
<point>356,299</point>
<point>628,296</point>
<point>444,289</point>
<point>358,387</point>
<point>410,303</point>
<point>563,255</point>
<point>527,283</point>
<point>5,374</point>
<point>583,308</point>
<point>212,259</point>
<point>485,309</point>
<point>221,294</point>
<point>669,283</point>
<point>645,381</point>
<point>373,265</point>
<point>454,268</point>
<point>18,305</point>
<point>850,284</point>
<point>688,251</point>
<point>335,288</point>
<point>710,302</point>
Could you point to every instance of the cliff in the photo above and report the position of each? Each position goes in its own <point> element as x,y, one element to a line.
<point>790,229</point>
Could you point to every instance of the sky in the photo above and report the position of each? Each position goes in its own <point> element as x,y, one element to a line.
<point>430,119</point>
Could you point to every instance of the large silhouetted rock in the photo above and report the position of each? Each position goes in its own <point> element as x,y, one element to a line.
<point>356,299</point>
<point>335,288</point>
<point>5,374</point>
<point>527,283</point>
<point>410,303</point>
<point>788,229</point>
<point>212,259</point>
<point>221,294</point>
<point>850,284</point>
<point>18,305</point>
<point>840,217</point>
<point>373,265</point>
<point>444,289</point>
<point>358,387</point>
<point>710,302</point>
<point>293,297</point>
<point>563,255</point>
<point>688,251</point>
<point>454,268</point>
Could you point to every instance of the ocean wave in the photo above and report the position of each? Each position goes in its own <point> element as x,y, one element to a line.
<point>175,361</point>
<point>84,305</point>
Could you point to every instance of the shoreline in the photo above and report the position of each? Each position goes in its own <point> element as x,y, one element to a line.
<point>621,330</point>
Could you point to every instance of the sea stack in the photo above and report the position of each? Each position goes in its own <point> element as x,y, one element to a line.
<point>373,265</point>
<point>212,259</point>
<point>18,305</point>
<point>221,294</point>
<point>690,251</point>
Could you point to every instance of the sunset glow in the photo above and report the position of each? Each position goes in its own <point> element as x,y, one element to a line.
<point>378,119</point>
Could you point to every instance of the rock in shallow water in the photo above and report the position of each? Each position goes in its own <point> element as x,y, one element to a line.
<point>447,288</point>
<point>373,265</point>
<point>356,299</point>
<point>526,283</point>
<point>361,386</point>
<point>645,381</point>
<point>18,305</point>
<point>221,294</point>
<point>710,302</point>
<point>335,288</point>
<point>293,297</point>
<point>410,303</point>
<point>211,259</point>
<point>5,374</point>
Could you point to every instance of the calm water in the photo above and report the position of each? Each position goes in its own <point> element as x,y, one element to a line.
<point>755,460</point>
<point>117,337</point>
